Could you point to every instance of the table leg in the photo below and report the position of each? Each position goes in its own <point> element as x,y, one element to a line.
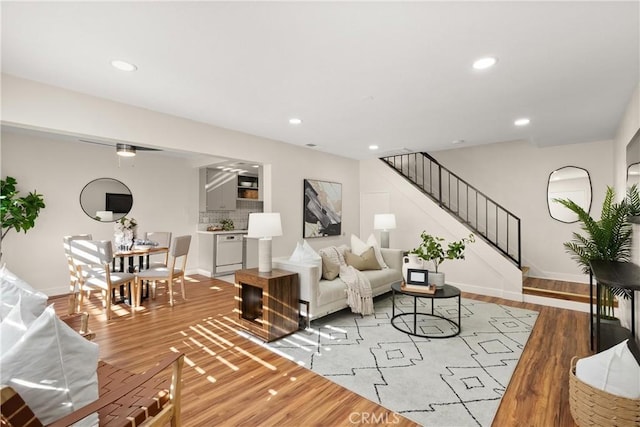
<point>459,315</point>
<point>597,316</point>
<point>393,302</point>
<point>591,309</point>
<point>633,315</point>
<point>415,315</point>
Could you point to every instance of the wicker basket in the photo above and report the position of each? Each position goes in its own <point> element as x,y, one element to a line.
<point>593,407</point>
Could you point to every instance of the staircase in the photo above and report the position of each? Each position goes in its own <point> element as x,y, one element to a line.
<point>482,215</point>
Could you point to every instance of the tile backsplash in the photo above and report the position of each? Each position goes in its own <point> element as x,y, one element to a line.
<point>240,216</point>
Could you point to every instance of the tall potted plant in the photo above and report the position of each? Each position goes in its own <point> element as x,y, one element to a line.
<point>608,239</point>
<point>431,249</point>
<point>18,213</point>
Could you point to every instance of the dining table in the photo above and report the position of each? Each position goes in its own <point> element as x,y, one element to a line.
<point>143,253</point>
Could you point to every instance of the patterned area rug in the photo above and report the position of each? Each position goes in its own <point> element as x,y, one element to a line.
<point>456,381</point>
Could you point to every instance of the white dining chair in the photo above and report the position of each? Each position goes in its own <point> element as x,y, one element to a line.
<point>94,258</point>
<point>74,272</point>
<point>178,251</point>
<point>163,239</point>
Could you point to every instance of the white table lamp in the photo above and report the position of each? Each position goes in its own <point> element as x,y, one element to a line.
<point>384,222</point>
<point>264,226</point>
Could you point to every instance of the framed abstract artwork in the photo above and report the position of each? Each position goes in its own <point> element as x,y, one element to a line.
<point>322,208</point>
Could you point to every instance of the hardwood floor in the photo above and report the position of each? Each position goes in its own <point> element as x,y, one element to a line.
<point>230,379</point>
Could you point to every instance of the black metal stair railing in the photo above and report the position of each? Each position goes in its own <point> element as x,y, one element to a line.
<point>481,214</point>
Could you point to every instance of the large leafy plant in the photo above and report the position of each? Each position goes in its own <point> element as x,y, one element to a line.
<point>633,200</point>
<point>431,249</point>
<point>608,239</point>
<point>18,213</point>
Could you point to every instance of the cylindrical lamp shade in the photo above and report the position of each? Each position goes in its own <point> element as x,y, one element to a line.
<point>384,222</point>
<point>264,225</point>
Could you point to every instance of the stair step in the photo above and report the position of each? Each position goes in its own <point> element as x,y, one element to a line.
<point>568,296</point>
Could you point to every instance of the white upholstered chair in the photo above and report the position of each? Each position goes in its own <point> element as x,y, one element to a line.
<point>94,260</point>
<point>163,239</point>
<point>174,270</point>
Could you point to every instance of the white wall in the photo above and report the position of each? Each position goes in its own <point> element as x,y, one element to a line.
<point>483,271</point>
<point>629,125</point>
<point>34,105</point>
<point>515,174</point>
<point>164,199</point>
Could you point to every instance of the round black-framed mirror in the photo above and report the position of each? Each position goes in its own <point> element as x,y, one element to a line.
<point>568,182</point>
<point>106,199</point>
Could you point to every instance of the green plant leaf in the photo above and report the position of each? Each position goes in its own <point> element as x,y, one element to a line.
<point>18,213</point>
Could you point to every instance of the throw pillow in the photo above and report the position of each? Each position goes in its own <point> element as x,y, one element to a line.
<point>14,326</point>
<point>14,289</point>
<point>305,253</point>
<point>330,270</point>
<point>366,261</point>
<point>53,368</point>
<point>335,254</point>
<point>614,370</point>
<point>358,247</point>
<point>371,241</point>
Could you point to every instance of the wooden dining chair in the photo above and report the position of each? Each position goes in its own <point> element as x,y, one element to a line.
<point>74,271</point>
<point>94,259</point>
<point>178,252</point>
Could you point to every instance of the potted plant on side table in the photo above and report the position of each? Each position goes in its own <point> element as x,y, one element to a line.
<point>431,249</point>
<point>608,239</point>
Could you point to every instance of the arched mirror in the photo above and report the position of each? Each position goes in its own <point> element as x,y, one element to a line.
<point>106,199</point>
<point>572,183</point>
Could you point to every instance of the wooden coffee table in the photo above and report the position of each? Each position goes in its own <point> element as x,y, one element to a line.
<point>447,291</point>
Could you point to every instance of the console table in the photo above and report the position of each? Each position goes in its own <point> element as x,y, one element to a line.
<point>268,302</point>
<point>617,275</point>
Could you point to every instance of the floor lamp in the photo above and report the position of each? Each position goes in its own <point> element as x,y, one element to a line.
<point>384,222</point>
<point>264,226</point>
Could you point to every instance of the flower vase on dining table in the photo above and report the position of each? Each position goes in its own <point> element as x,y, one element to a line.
<point>125,233</point>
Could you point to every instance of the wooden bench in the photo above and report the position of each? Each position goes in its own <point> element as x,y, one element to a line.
<point>126,399</point>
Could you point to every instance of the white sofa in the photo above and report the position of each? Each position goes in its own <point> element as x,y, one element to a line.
<point>328,296</point>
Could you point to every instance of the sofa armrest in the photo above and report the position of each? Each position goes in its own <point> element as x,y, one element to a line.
<point>392,257</point>
<point>307,276</point>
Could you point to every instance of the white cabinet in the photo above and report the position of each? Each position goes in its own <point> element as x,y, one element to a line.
<point>221,190</point>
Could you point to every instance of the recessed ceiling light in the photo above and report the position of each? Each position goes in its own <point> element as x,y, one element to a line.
<point>123,65</point>
<point>484,63</point>
<point>373,147</point>
<point>295,121</point>
<point>522,122</point>
<point>458,141</point>
<point>255,166</point>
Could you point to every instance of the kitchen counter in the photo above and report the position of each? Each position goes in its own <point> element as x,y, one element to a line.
<point>223,232</point>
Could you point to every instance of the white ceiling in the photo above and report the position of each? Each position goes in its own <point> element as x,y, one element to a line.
<point>394,74</point>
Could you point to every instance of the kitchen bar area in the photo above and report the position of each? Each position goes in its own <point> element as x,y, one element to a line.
<point>228,193</point>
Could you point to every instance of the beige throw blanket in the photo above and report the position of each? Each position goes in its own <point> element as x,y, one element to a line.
<point>359,294</point>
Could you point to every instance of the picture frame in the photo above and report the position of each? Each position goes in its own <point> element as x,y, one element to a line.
<point>417,277</point>
<point>322,208</point>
